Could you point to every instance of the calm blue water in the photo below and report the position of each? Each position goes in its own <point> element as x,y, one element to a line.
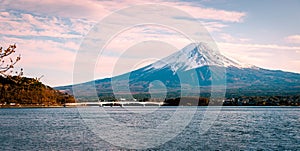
<point>247,128</point>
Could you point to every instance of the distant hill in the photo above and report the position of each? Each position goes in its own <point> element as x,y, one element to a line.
<point>22,91</point>
<point>190,69</point>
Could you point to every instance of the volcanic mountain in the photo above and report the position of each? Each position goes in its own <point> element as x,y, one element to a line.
<point>194,70</point>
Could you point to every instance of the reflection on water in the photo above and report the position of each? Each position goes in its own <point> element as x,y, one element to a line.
<point>251,128</point>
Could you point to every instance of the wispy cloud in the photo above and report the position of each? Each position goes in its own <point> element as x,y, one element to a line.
<point>248,46</point>
<point>231,39</point>
<point>270,56</point>
<point>38,55</point>
<point>48,33</point>
<point>294,39</point>
<point>95,10</point>
<point>64,8</point>
<point>24,24</point>
<point>209,13</point>
<point>214,26</point>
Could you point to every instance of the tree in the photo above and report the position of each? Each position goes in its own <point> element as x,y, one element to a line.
<point>23,90</point>
<point>6,62</point>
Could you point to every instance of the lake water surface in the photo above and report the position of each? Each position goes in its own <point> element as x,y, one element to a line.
<point>235,128</point>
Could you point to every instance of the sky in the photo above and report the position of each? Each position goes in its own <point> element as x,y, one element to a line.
<point>49,34</point>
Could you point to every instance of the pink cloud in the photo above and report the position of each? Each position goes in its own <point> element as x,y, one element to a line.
<point>29,25</point>
<point>268,56</point>
<point>52,23</point>
<point>248,46</point>
<point>294,39</point>
<point>133,36</point>
<point>229,38</point>
<point>4,14</point>
<point>210,13</point>
<point>72,19</point>
<point>95,10</point>
<point>63,8</point>
<point>39,57</point>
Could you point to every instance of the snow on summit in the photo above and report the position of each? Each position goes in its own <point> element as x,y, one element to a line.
<point>193,56</point>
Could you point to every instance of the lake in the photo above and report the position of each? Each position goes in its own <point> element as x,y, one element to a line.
<point>165,128</point>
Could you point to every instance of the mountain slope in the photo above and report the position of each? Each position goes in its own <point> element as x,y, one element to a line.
<point>196,67</point>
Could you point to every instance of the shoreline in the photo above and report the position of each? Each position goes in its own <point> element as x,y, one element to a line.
<point>30,106</point>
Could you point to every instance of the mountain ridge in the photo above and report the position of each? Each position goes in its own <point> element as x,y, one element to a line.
<point>199,66</point>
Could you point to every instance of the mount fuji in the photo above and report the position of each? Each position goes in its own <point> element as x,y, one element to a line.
<point>195,68</point>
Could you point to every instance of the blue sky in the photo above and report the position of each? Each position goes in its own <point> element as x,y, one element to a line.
<point>49,33</point>
<point>266,21</point>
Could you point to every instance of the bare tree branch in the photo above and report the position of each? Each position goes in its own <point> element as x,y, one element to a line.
<point>6,64</point>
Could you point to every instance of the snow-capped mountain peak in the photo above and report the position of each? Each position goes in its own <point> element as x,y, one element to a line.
<point>193,56</point>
